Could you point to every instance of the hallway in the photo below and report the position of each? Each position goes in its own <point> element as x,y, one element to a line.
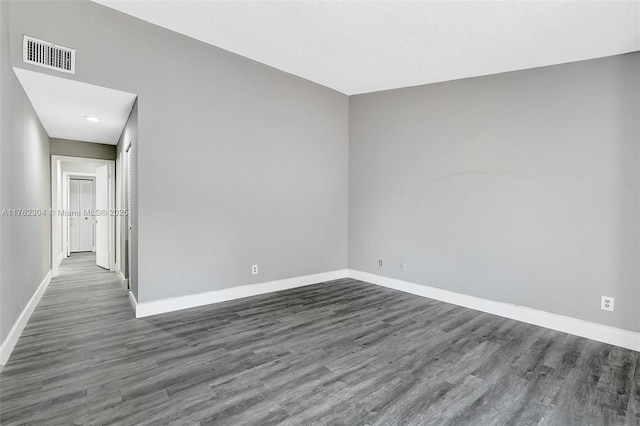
<point>75,329</point>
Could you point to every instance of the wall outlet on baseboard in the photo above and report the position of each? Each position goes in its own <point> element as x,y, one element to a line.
<point>403,267</point>
<point>606,304</point>
<point>380,262</point>
<point>254,270</point>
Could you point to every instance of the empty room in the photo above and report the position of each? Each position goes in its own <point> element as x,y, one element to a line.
<point>319,212</point>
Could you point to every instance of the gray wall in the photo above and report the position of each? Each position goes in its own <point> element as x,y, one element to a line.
<point>82,149</point>
<point>238,163</point>
<point>519,187</point>
<point>129,135</point>
<point>25,245</point>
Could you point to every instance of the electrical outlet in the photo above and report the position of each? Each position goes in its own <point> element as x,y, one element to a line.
<point>380,262</point>
<point>403,267</point>
<point>254,270</point>
<point>606,304</point>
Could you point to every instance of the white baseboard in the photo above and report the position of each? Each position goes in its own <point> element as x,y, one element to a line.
<point>601,333</point>
<point>10,342</point>
<point>55,268</point>
<point>133,302</point>
<point>145,309</point>
<point>125,282</point>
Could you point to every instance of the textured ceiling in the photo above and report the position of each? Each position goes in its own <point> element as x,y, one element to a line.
<point>364,46</point>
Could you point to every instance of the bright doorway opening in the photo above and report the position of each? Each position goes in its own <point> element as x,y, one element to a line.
<point>83,209</point>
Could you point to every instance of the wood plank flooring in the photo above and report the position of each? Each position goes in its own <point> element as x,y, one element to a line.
<point>337,353</point>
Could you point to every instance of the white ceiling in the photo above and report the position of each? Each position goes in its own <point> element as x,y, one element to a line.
<point>364,46</point>
<point>62,104</point>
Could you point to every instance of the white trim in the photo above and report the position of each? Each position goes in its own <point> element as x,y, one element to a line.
<point>60,259</point>
<point>145,309</point>
<point>10,342</point>
<point>125,282</point>
<point>134,303</point>
<point>601,333</point>
<point>67,177</point>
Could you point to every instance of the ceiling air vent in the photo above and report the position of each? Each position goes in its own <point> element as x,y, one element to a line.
<point>48,55</point>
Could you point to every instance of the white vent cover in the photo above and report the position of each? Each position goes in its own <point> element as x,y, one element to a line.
<point>48,55</point>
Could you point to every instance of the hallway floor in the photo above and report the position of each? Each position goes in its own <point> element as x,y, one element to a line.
<point>344,353</point>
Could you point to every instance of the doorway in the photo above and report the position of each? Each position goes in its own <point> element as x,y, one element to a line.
<point>82,229</point>
<point>78,183</point>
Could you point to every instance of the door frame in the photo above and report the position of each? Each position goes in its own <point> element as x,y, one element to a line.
<point>59,249</point>
<point>123,187</point>
<point>118,247</point>
<point>129,196</point>
<point>66,230</point>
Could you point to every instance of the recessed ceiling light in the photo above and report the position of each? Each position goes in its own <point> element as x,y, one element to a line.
<point>90,118</point>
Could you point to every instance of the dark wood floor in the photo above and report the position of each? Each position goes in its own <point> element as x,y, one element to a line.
<point>343,353</point>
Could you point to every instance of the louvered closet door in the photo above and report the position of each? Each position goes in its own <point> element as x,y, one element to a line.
<point>129,208</point>
<point>102,221</point>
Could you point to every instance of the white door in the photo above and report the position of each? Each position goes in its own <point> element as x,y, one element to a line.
<point>81,226</point>
<point>102,217</point>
